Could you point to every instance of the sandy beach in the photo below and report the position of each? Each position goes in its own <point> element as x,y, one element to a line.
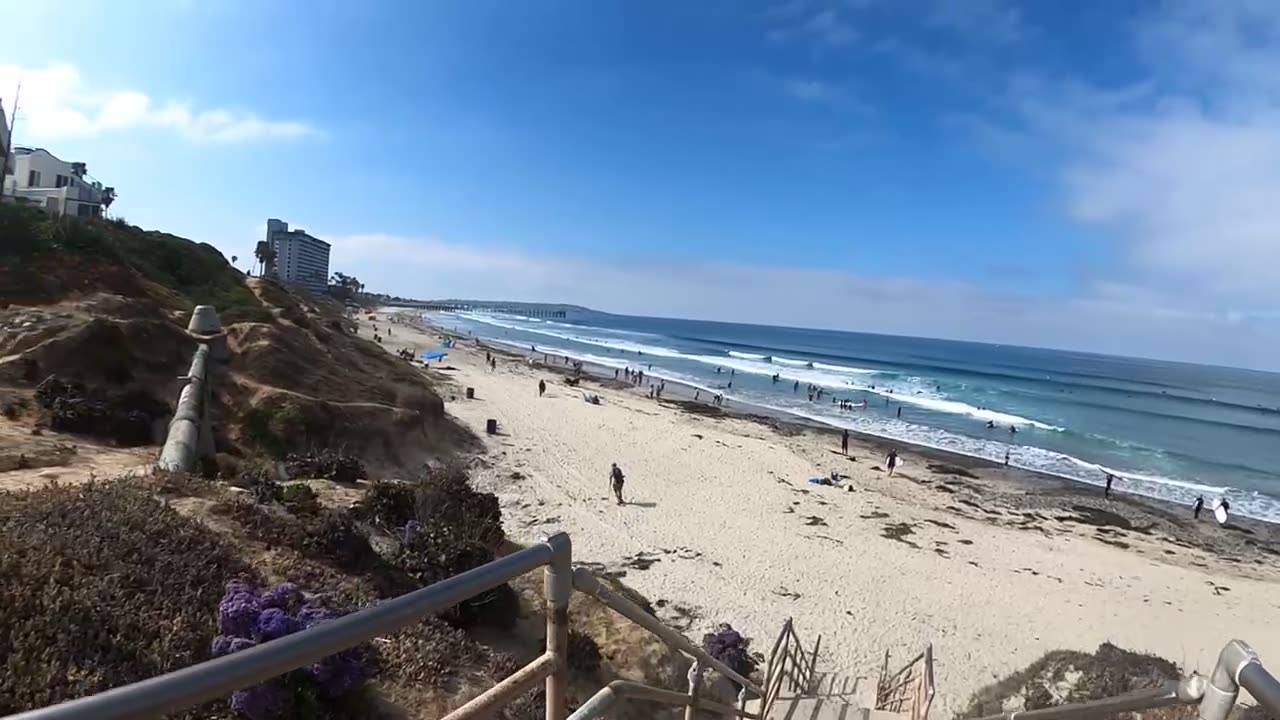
<point>994,566</point>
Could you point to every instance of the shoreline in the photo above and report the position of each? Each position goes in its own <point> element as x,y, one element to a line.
<point>784,421</point>
<point>722,523</point>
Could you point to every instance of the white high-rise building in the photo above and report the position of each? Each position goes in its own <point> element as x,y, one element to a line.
<point>300,258</point>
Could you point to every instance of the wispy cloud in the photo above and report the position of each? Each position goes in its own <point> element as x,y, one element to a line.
<point>809,89</point>
<point>57,103</point>
<point>825,26</point>
<point>1182,170</point>
<point>991,21</point>
<point>1111,317</point>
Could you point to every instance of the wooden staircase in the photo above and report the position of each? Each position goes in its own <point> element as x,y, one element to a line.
<point>834,697</point>
<point>804,693</point>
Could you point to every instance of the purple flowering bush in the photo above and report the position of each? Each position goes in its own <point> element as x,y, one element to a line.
<point>731,648</point>
<point>249,616</point>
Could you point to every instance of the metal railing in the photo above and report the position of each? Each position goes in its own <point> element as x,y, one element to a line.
<point>190,434</point>
<point>218,678</point>
<point>910,689</point>
<point>1238,666</point>
<point>788,665</point>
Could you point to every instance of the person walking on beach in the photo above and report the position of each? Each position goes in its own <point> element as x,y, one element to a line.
<point>1195,509</point>
<point>892,461</point>
<point>542,388</point>
<point>844,442</point>
<point>1006,457</point>
<point>616,480</point>
<point>1110,479</point>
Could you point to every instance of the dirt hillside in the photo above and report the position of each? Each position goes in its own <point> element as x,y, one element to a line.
<point>105,305</point>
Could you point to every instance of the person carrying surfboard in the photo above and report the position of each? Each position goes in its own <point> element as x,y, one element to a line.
<point>892,460</point>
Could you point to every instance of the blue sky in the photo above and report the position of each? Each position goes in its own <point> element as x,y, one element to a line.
<point>1093,175</point>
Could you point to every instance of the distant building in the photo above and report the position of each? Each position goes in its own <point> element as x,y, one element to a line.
<point>40,179</point>
<point>301,259</point>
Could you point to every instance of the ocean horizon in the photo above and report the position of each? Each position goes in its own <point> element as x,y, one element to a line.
<point>1168,430</point>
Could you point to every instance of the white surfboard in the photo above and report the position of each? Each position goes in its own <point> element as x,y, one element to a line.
<point>1220,514</point>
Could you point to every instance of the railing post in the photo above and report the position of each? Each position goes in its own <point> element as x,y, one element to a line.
<point>558,586</point>
<point>1223,686</point>
<point>695,688</point>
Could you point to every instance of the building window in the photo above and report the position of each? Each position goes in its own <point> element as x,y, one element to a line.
<point>33,178</point>
<point>61,181</point>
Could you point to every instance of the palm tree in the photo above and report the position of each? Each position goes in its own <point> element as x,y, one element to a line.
<point>233,260</point>
<point>261,251</point>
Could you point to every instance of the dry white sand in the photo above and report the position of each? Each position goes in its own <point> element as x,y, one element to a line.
<point>737,535</point>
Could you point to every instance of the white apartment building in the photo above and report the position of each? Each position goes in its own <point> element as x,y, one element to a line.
<point>300,258</point>
<point>36,177</point>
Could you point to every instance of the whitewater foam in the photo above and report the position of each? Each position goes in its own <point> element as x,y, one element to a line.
<point>1248,503</point>
<point>955,407</point>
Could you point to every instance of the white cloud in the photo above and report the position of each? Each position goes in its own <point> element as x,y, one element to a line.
<point>1182,169</point>
<point>826,27</point>
<point>993,21</point>
<point>808,89</point>
<point>1112,317</point>
<point>57,103</point>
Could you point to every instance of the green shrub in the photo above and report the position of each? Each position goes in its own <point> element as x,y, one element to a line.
<point>1044,683</point>
<point>300,499</point>
<point>87,575</point>
<point>327,464</point>
<point>256,430</point>
<point>388,504</point>
<point>195,271</point>
<point>445,527</point>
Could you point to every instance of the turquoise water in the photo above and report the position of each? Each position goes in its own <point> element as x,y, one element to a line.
<point>1168,430</point>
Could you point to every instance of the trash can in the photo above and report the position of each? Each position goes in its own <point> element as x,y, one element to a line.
<point>491,426</point>
<point>471,393</point>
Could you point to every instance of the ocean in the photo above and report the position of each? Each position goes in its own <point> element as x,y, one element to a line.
<point>1167,430</point>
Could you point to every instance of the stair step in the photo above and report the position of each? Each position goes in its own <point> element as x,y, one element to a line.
<point>826,708</point>
<point>812,708</point>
